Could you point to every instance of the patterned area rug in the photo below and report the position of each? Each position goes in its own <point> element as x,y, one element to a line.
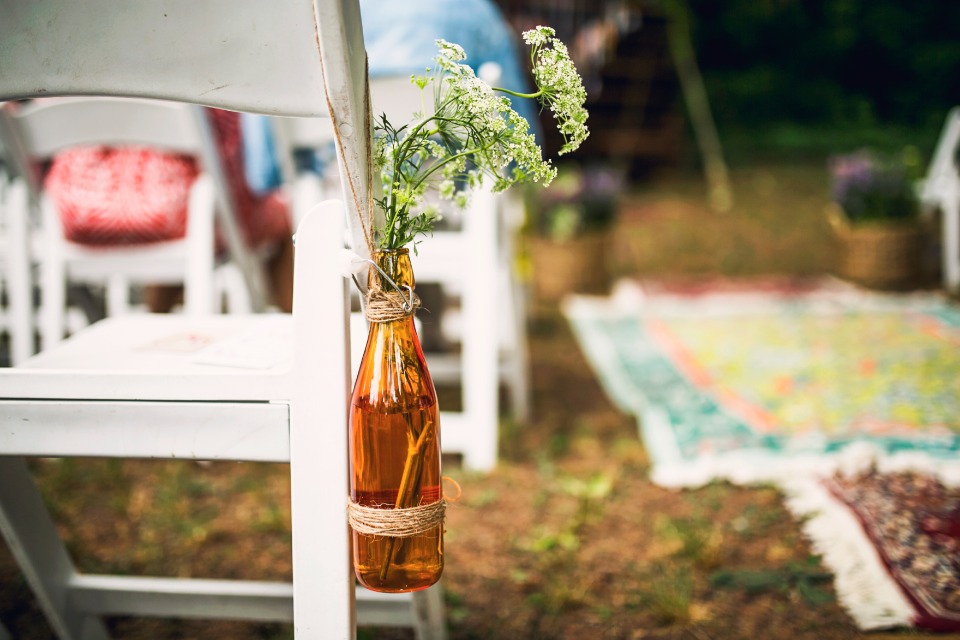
<point>762,382</point>
<point>848,400</point>
<point>892,541</point>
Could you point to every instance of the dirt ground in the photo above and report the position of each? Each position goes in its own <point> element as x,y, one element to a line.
<point>566,539</point>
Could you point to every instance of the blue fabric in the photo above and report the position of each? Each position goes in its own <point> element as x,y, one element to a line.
<point>260,166</point>
<point>400,38</point>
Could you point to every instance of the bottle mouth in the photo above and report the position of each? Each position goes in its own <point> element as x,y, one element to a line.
<point>394,270</point>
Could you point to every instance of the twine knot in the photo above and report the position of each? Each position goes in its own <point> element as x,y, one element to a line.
<point>387,306</point>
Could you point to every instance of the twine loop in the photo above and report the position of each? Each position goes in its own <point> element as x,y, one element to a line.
<point>396,523</point>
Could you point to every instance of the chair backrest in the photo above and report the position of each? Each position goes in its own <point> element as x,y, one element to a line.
<point>395,96</point>
<point>302,58</point>
<point>34,132</point>
<point>944,169</point>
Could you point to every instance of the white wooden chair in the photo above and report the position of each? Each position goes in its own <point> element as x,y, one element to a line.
<point>941,189</point>
<point>268,387</point>
<point>36,132</point>
<point>16,317</point>
<point>475,260</point>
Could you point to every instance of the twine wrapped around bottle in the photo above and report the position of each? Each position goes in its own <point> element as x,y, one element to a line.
<point>387,306</point>
<point>396,523</point>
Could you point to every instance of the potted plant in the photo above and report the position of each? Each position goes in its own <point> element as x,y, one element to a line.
<point>875,217</point>
<point>571,243</point>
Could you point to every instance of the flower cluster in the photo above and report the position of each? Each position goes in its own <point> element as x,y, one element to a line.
<point>561,89</point>
<point>868,186</point>
<point>471,134</point>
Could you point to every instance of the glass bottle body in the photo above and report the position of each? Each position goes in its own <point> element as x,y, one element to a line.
<point>395,447</point>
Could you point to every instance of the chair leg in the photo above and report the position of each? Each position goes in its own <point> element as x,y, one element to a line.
<point>229,286</point>
<point>480,337</point>
<point>53,278</point>
<point>118,295</point>
<point>20,307</point>
<point>40,553</point>
<point>323,584</point>
<point>951,239</point>
<point>430,613</point>
<point>198,288</point>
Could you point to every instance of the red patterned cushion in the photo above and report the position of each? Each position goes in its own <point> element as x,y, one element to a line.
<point>121,196</point>
<point>129,195</point>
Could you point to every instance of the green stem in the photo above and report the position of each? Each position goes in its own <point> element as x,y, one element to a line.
<point>462,154</point>
<point>519,95</point>
<point>409,482</point>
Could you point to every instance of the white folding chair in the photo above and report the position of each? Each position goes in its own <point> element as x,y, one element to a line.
<point>36,132</point>
<point>941,189</point>
<point>267,387</point>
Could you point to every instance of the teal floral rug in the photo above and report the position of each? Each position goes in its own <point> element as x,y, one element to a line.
<point>768,380</point>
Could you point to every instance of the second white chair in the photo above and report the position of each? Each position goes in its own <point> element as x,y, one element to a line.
<point>38,131</point>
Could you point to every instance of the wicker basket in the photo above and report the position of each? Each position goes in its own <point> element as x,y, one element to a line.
<point>879,255</point>
<point>578,265</point>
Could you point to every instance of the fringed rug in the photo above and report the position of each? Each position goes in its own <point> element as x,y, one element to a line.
<point>848,400</point>
<point>760,383</point>
<point>893,542</point>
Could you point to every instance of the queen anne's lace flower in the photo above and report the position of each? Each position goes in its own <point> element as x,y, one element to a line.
<point>560,85</point>
<point>472,133</point>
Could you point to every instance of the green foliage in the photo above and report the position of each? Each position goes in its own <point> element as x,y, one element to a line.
<point>668,594</point>
<point>805,579</point>
<point>554,550</point>
<point>870,187</point>
<point>699,540</point>
<point>580,200</point>
<point>836,66</point>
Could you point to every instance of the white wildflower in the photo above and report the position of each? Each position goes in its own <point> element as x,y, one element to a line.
<point>560,86</point>
<point>469,134</point>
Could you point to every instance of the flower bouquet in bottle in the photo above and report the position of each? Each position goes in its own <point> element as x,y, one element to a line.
<point>469,134</point>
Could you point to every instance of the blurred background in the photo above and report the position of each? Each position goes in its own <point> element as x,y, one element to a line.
<point>713,127</point>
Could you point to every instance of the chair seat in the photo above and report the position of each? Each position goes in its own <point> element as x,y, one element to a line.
<point>151,371</point>
<point>164,357</point>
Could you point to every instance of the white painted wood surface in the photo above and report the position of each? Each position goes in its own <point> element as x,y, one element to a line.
<point>16,272</point>
<point>941,188</point>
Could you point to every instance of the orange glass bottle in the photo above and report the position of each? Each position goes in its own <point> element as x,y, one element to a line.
<point>395,445</point>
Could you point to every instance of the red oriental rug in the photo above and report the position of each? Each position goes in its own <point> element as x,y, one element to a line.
<point>893,542</point>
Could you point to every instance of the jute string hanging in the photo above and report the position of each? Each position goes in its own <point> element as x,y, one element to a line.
<point>383,306</point>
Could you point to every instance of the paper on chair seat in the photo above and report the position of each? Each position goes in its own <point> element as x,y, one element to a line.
<point>174,344</point>
<point>256,348</point>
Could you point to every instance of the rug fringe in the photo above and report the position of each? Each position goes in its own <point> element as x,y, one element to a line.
<point>753,467</point>
<point>864,588</point>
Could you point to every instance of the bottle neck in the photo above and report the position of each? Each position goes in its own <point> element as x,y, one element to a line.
<point>397,267</point>
<point>390,299</point>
